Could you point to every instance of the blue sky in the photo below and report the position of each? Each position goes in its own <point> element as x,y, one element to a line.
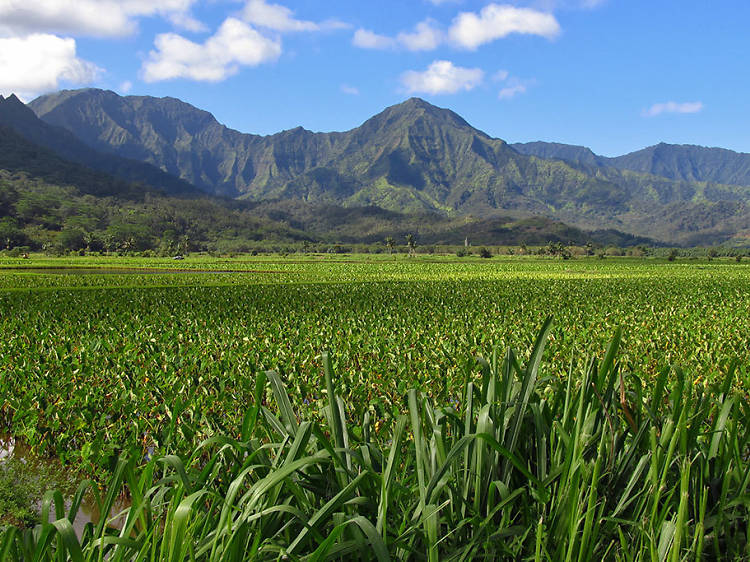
<point>614,75</point>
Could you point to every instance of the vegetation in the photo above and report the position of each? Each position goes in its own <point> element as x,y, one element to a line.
<point>435,162</point>
<point>16,496</point>
<point>522,464</point>
<point>199,397</point>
<point>134,351</point>
<point>59,218</point>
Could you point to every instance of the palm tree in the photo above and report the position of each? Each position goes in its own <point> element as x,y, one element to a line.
<point>390,242</point>
<point>411,243</point>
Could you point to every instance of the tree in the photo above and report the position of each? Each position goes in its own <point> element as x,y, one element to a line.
<point>390,242</point>
<point>72,239</point>
<point>411,243</point>
<point>558,249</point>
<point>484,253</point>
<point>10,235</point>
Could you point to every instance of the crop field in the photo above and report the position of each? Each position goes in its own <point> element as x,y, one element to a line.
<point>107,359</point>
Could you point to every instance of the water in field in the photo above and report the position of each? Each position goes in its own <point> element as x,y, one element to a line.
<point>39,474</point>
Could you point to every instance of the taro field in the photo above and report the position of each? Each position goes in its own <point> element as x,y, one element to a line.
<point>144,356</point>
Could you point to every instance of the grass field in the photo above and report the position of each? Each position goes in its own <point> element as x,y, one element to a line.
<point>101,365</point>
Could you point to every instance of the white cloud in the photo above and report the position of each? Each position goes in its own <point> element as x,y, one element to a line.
<point>470,30</point>
<point>366,39</point>
<point>126,86</point>
<point>500,76</point>
<point>442,77</point>
<point>235,44</point>
<point>673,107</point>
<point>425,37</point>
<point>275,16</point>
<point>280,18</point>
<point>39,63</point>
<point>513,86</point>
<point>512,90</point>
<point>98,18</point>
<point>350,90</point>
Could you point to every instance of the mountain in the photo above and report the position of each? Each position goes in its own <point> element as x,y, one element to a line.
<point>16,116</point>
<point>688,163</point>
<point>49,202</point>
<point>22,158</point>
<point>681,162</point>
<point>411,158</point>
<point>558,151</point>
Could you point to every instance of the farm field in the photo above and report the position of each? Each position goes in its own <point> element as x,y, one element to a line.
<point>94,363</point>
<point>147,357</point>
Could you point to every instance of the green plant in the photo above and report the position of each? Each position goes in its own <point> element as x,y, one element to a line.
<point>523,465</point>
<point>16,498</point>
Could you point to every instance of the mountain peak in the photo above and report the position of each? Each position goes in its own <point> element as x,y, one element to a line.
<point>418,102</point>
<point>416,109</point>
<point>12,99</point>
<point>415,104</point>
<point>14,112</point>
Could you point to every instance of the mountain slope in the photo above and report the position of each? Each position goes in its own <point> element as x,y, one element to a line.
<point>49,202</point>
<point>558,151</point>
<point>688,163</point>
<point>411,158</point>
<point>681,162</point>
<point>18,117</point>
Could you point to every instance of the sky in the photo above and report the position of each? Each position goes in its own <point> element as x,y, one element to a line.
<point>613,75</point>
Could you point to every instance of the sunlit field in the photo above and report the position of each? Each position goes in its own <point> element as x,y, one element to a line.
<point>128,358</point>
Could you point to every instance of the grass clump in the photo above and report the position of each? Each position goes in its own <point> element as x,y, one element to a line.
<point>524,465</point>
<point>17,501</point>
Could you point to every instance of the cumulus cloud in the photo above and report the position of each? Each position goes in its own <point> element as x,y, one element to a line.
<point>470,30</point>
<point>276,17</point>
<point>235,44</point>
<point>425,37</point>
<point>366,39</point>
<point>512,90</point>
<point>280,18</point>
<point>39,62</point>
<point>442,77</point>
<point>98,18</point>
<point>512,87</point>
<point>500,75</point>
<point>349,90</point>
<point>673,107</point>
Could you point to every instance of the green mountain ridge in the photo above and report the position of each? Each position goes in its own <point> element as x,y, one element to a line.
<point>683,162</point>
<point>412,157</point>
<point>47,201</point>
<point>18,117</point>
